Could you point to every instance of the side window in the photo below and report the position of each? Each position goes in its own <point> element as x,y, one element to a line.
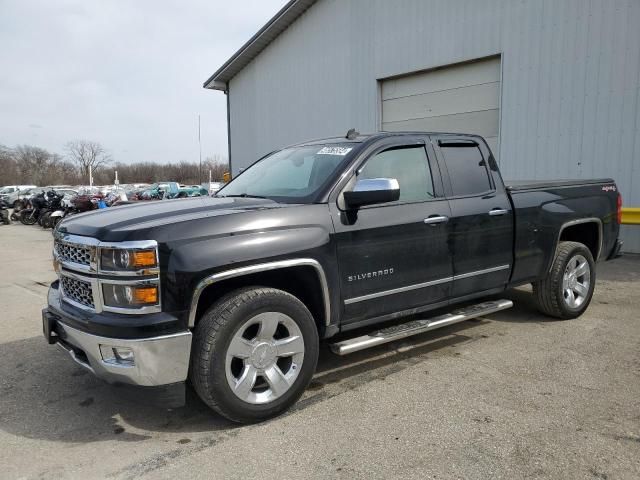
<point>408,165</point>
<point>467,170</point>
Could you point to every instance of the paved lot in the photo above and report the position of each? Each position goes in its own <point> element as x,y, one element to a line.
<point>511,396</point>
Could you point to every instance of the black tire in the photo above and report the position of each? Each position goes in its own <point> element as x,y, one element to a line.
<point>54,221</point>
<point>549,293</point>
<point>213,335</point>
<point>46,219</point>
<point>28,217</point>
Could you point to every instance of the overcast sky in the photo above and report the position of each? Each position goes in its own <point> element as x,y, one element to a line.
<point>125,73</point>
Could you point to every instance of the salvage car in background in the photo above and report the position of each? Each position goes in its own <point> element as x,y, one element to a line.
<point>12,193</point>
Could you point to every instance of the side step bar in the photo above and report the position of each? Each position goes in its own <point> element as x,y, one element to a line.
<point>415,327</point>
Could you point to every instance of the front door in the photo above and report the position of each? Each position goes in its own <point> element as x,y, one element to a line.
<point>390,259</point>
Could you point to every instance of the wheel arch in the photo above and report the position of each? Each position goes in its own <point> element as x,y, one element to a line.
<point>297,282</point>
<point>587,231</point>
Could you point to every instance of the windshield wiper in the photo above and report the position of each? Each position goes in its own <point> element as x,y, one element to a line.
<point>241,195</point>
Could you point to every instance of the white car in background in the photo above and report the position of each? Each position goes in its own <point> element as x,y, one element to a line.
<point>214,187</point>
<point>10,193</point>
<point>14,197</point>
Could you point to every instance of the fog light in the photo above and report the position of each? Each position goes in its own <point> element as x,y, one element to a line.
<point>122,356</point>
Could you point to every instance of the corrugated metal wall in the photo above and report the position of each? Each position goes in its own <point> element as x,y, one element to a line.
<point>570,105</point>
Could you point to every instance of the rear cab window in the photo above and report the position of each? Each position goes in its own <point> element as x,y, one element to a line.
<point>467,168</point>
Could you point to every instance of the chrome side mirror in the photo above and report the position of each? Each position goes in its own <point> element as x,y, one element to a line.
<point>370,191</point>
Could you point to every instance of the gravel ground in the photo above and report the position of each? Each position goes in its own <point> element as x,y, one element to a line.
<point>513,395</point>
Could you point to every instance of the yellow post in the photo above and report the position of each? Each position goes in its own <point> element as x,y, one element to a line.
<point>631,216</point>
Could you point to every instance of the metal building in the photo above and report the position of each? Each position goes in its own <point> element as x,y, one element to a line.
<point>554,85</point>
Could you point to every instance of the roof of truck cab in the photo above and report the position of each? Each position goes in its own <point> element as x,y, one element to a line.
<point>363,137</point>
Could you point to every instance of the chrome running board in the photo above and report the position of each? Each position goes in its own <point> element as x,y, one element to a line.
<point>415,327</point>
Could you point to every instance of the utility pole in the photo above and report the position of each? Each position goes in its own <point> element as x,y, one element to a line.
<point>200,147</point>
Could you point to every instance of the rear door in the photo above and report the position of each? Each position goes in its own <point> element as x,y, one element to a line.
<point>390,259</point>
<point>481,224</point>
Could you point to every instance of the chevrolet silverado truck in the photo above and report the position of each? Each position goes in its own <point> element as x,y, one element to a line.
<point>234,293</point>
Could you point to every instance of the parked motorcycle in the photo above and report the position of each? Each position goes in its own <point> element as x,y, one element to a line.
<point>4,212</point>
<point>18,206</point>
<point>54,204</point>
<point>83,203</point>
<point>41,207</point>
<point>35,208</point>
<point>65,209</point>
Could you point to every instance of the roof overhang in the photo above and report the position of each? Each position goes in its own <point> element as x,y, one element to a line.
<point>256,44</point>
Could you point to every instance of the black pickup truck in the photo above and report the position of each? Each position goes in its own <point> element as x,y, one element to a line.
<point>234,293</point>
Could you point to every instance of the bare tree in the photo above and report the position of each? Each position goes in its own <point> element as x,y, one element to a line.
<point>8,167</point>
<point>88,156</point>
<point>34,163</point>
<point>62,171</point>
<point>26,164</point>
<point>218,166</point>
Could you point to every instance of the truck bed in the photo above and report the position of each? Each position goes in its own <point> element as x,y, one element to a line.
<point>543,208</point>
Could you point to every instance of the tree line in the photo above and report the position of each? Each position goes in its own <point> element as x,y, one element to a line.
<point>29,165</point>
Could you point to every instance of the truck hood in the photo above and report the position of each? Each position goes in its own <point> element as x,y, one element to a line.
<point>140,220</point>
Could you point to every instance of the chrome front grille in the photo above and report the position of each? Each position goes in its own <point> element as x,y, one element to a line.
<point>78,254</point>
<point>77,291</point>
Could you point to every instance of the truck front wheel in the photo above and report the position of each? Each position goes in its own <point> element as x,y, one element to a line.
<point>254,353</point>
<point>568,287</point>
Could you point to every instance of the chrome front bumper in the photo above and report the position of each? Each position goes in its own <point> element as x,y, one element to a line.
<point>157,361</point>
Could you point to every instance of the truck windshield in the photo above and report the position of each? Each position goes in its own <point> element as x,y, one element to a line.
<point>294,175</point>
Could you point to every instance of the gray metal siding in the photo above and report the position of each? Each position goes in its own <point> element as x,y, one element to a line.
<point>570,103</point>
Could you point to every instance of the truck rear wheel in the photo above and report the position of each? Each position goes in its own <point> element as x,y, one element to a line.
<point>567,290</point>
<point>254,353</point>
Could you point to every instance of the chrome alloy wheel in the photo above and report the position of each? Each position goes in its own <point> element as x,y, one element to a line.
<point>576,281</point>
<point>264,357</point>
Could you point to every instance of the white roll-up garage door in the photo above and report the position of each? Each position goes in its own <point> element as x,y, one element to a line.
<point>463,98</point>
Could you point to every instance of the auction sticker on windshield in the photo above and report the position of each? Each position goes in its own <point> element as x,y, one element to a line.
<point>342,151</point>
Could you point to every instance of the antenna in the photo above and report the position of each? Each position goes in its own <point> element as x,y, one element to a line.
<point>352,133</point>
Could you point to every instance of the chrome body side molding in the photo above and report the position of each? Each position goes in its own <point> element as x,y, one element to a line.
<point>416,286</point>
<point>481,272</point>
<point>262,267</point>
<point>393,291</point>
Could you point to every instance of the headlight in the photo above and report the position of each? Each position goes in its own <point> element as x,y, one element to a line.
<point>115,259</point>
<point>130,296</point>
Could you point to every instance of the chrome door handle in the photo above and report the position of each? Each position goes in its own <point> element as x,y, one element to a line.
<point>436,219</point>
<point>498,211</point>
